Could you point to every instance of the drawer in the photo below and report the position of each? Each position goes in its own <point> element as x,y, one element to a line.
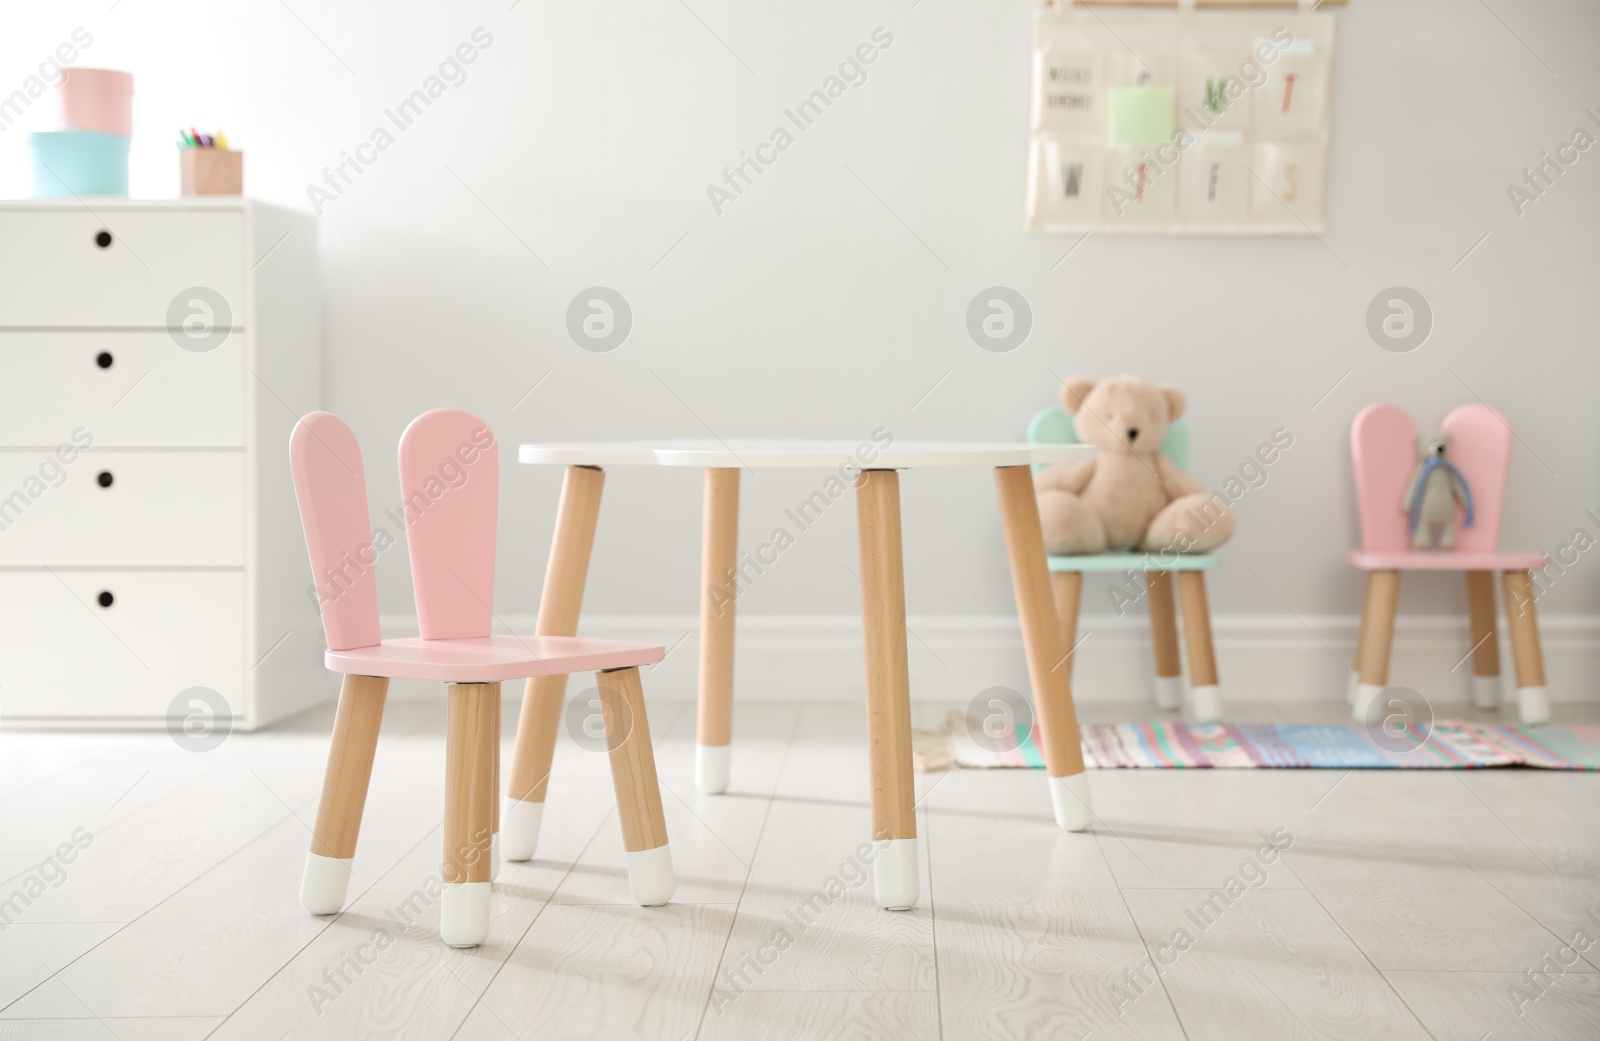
<point>130,390</point>
<point>62,654</point>
<point>55,272</point>
<point>121,509</point>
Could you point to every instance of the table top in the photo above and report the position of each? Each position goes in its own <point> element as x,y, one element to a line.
<point>593,453</point>
<point>828,455</point>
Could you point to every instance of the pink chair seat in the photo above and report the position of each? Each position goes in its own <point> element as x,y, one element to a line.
<point>1445,560</point>
<point>491,659</point>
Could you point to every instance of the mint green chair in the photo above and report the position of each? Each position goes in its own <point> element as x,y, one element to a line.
<point>1053,426</point>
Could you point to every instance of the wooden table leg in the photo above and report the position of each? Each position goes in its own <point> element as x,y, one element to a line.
<point>540,721</point>
<point>1042,641</point>
<point>719,563</point>
<point>1485,641</point>
<point>1377,638</point>
<point>896,877</point>
<point>468,813</point>
<point>633,774</point>
<point>1533,702</point>
<point>1205,693</point>
<point>344,794</point>
<point>1164,639</point>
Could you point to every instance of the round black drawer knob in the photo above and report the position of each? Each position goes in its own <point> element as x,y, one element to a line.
<point>104,359</point>
<point>102,239</point>
<point>105,598</point>
<point>105,478</point>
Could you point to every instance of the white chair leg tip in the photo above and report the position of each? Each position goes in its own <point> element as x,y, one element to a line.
<point>896,881</point>
<point>650,876</point>
<point>1207,703</point>
<point>324,885</point>
<point>1366,694</point>
<point>1486,691</point>
<point>519,829</point>
<point>1069,796</point>
<point>712,766</point>
<point>464,914</point>
<point>1533,705</point>
<point>1169,693</point>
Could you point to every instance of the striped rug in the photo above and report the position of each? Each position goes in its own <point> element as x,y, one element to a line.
<point>1166,745</point>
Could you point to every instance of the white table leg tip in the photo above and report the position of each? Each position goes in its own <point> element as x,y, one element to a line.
<point>1207,703</point>
<point>650,876</point>
<point>324,884</point>
<point>494,857</point>
<point>712,766</point>
<point>896,881</point>
<point>464,913</point>
<point>1486,691</point>
<point>1366,695</point>
<point>1069,796</point>
<point>519,824</point>
<point>1169,693</point>
<point>1533,705</point>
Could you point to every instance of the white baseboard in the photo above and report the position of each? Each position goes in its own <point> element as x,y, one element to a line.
<point>954,658</point>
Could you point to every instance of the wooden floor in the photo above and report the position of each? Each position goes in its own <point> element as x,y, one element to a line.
<point>1404,905</point>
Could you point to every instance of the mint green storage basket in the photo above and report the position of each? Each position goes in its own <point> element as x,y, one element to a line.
<point>79,162</point>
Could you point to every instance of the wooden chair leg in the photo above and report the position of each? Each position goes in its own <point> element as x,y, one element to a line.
<point>468,813</point>
<point>1066,588</point>
<point>1353,685</point>
<point>896,877</point>
<point>1533,702</point>
<point>1204,690</point>
<point>1164,639</point>
<point>539,722</point>
<point>1377,638</point>
<point>494,786</point>
<point>326,881</point>
<point>633,773</point>
<point>1042,641</point>
<point>1485,641</point>
<point>719,562</point>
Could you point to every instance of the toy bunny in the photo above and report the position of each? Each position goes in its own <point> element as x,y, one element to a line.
<point>1433,491</point>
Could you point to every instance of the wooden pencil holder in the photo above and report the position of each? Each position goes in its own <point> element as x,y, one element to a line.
<point>211,171</point>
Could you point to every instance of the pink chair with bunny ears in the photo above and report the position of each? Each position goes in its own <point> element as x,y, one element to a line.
<point>1383,444</point>
<point>450,485</point>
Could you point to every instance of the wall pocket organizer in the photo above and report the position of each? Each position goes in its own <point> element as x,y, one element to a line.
<point>1210,122</point>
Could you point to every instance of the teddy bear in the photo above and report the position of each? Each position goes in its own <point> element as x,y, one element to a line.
<point>1436,486</point>
<point>1130,496</point>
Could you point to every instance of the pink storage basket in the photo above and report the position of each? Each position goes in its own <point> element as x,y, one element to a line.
<point>97,99</point>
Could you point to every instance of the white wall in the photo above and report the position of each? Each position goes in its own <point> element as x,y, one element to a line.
<point>587,133</point>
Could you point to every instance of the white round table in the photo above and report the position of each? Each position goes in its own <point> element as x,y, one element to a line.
<point>873,468</point>
<point>808,455</point>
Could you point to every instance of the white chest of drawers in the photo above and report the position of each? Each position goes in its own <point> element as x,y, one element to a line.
<point>154,356</point>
